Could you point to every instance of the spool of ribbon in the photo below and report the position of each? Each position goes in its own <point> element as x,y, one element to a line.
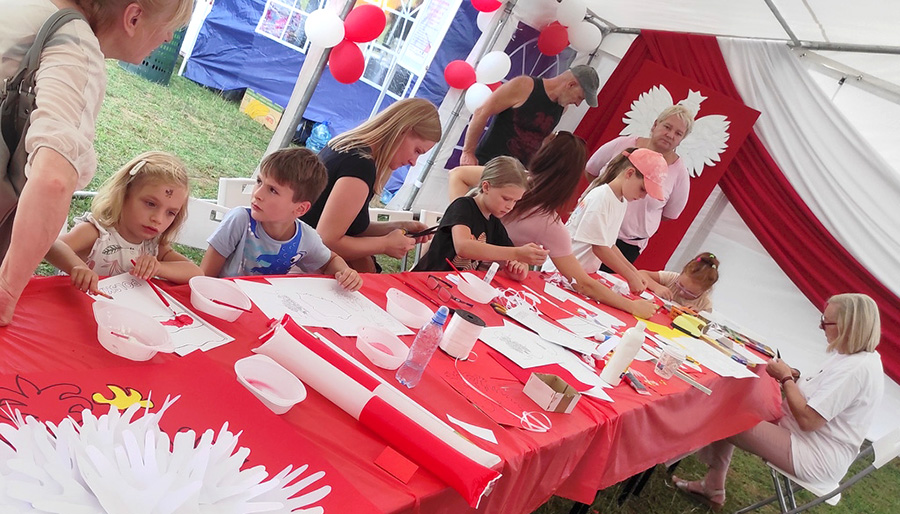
<point>461,333</point>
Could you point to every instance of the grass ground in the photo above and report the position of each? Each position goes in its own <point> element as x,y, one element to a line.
<point>215,140</point>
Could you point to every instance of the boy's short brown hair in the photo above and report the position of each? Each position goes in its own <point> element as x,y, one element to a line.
<point>299,169</point>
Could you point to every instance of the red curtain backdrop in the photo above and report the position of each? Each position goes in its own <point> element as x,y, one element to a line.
<point>817,264</point>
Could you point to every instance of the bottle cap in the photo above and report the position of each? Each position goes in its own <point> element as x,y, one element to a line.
<point>441,315</point>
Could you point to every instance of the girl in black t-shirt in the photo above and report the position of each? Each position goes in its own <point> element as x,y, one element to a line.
<point>471,234</point>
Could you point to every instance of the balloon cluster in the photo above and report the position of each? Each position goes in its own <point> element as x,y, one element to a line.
<point>479,81</point>
<point>569,29</point>
<point>363,24</point>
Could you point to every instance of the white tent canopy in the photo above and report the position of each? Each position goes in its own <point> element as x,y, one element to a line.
<point>753,292</point>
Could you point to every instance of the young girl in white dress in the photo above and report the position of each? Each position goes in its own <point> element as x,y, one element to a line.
<point>131,226</point>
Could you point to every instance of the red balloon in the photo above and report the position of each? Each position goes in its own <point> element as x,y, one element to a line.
<point>495,85</point>
<point>459,74</point>
<point>486,5</point>
<point>364,23</point>
<point>553,39</point>
<point>346,62</point>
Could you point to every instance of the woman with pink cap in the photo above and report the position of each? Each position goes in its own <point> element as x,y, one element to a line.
<point>594,224</point>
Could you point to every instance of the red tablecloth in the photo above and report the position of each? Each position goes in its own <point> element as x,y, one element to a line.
<point>597,445</point>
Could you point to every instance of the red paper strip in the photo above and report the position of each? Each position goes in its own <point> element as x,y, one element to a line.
<point>396,465</point>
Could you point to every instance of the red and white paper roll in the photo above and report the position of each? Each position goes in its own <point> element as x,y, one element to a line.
<point>468,477</point>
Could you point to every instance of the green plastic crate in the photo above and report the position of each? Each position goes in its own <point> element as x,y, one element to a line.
<point>160,64</point>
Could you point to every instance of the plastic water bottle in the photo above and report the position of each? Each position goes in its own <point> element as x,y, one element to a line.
<point>625,351</point>
<point>422,349</point>
<point>318,137</point>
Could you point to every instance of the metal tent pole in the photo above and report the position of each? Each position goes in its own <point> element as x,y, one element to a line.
<point>454,114</point>
<point>310,72</point>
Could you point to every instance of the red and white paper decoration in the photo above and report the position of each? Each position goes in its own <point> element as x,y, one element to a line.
<point>363,24</point>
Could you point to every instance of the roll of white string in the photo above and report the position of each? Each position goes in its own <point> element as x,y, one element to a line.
<point>461,333</point>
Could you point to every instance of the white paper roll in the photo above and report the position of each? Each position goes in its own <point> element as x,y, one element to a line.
<point>461,333</point>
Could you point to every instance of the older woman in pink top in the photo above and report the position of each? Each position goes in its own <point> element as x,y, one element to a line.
<point>554,173</point>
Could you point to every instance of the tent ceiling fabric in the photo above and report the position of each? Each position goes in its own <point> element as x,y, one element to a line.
<point>860,22</point>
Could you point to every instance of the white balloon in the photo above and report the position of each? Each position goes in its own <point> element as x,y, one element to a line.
<point>476,95</point>
<point>324,28</point>
<point>571,12</point>
<point>585,36</point>
<point>485,19</point>
<point>492,68</point>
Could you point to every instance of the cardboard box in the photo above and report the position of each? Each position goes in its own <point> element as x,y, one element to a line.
<point>261,109</point>
<point>552,393</point>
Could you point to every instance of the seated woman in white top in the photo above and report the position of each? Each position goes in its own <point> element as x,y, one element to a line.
<point>826,416</point>
<point>554,173</point>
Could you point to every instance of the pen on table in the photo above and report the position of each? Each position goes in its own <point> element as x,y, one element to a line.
<point>99,293</point>
<point>165,302</point>
<point>420,292</point>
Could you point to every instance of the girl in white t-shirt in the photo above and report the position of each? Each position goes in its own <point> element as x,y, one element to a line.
<point>594,224</point>
<point>130,228</point>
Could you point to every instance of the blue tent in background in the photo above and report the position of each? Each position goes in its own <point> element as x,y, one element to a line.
<point>229,54</point>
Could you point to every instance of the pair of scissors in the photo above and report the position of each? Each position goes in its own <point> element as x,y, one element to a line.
<point>427,232</point>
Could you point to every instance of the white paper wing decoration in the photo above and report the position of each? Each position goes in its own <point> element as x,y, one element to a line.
<point>706,142</point>
<point>639,120</point>
<point>116,464</point>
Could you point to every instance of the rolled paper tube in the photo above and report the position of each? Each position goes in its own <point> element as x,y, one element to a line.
<point>472,480</point>
<point>469,478</point>
<point>363,375</point>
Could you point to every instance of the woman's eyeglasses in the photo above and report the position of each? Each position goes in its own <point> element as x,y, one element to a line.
<point>823,323</point>
<point>443,288</point>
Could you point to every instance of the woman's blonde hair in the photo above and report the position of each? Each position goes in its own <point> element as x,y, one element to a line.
<point>858,324</point>
<point>147,168</point>
<point>383,134</point>
<point>501,172</point>
<point>103,13</point>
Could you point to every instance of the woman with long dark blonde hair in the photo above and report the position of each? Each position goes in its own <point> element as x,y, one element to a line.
<point>359,162</point>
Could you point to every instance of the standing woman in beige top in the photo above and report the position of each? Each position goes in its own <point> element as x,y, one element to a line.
<point>70,86</point>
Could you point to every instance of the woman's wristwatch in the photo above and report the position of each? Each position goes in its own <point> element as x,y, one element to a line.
<point>786,378</point>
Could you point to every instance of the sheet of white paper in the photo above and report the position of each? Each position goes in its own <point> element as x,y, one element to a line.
<point>600,315</point>
<point>528,350</point>
<point>521,346</point>
<point>265,296</point>
<point>582,327</point>
<point>713,359</point>
<point>747,354</point>
<point>322,302</point>
<point>483,433</point>
<point>549,331</point>
<point>188,333</point>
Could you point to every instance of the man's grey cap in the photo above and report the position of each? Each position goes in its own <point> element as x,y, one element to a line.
<point>589,81</point>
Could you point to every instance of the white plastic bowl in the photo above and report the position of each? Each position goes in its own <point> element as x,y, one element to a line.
<point>407,310</point>
<point>383,348</point>
<point>476,289</point>
<point>206,289</point>
<point>277,388</point>
<point>129,333</point>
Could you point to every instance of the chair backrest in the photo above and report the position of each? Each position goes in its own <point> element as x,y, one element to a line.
<point>887,448</point>
<point>430,218</point>
<point>235,192</point>
<point>202,220</point>
<point>376,214</point>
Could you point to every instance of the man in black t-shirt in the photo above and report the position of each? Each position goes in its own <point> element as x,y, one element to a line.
<point>527,110</point>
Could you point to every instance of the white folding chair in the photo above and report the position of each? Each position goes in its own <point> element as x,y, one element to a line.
<point>202,220</point>
<point>235,192</point>
<point>885,449</point>
<point>384,215</point>
<point>429,218</point>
